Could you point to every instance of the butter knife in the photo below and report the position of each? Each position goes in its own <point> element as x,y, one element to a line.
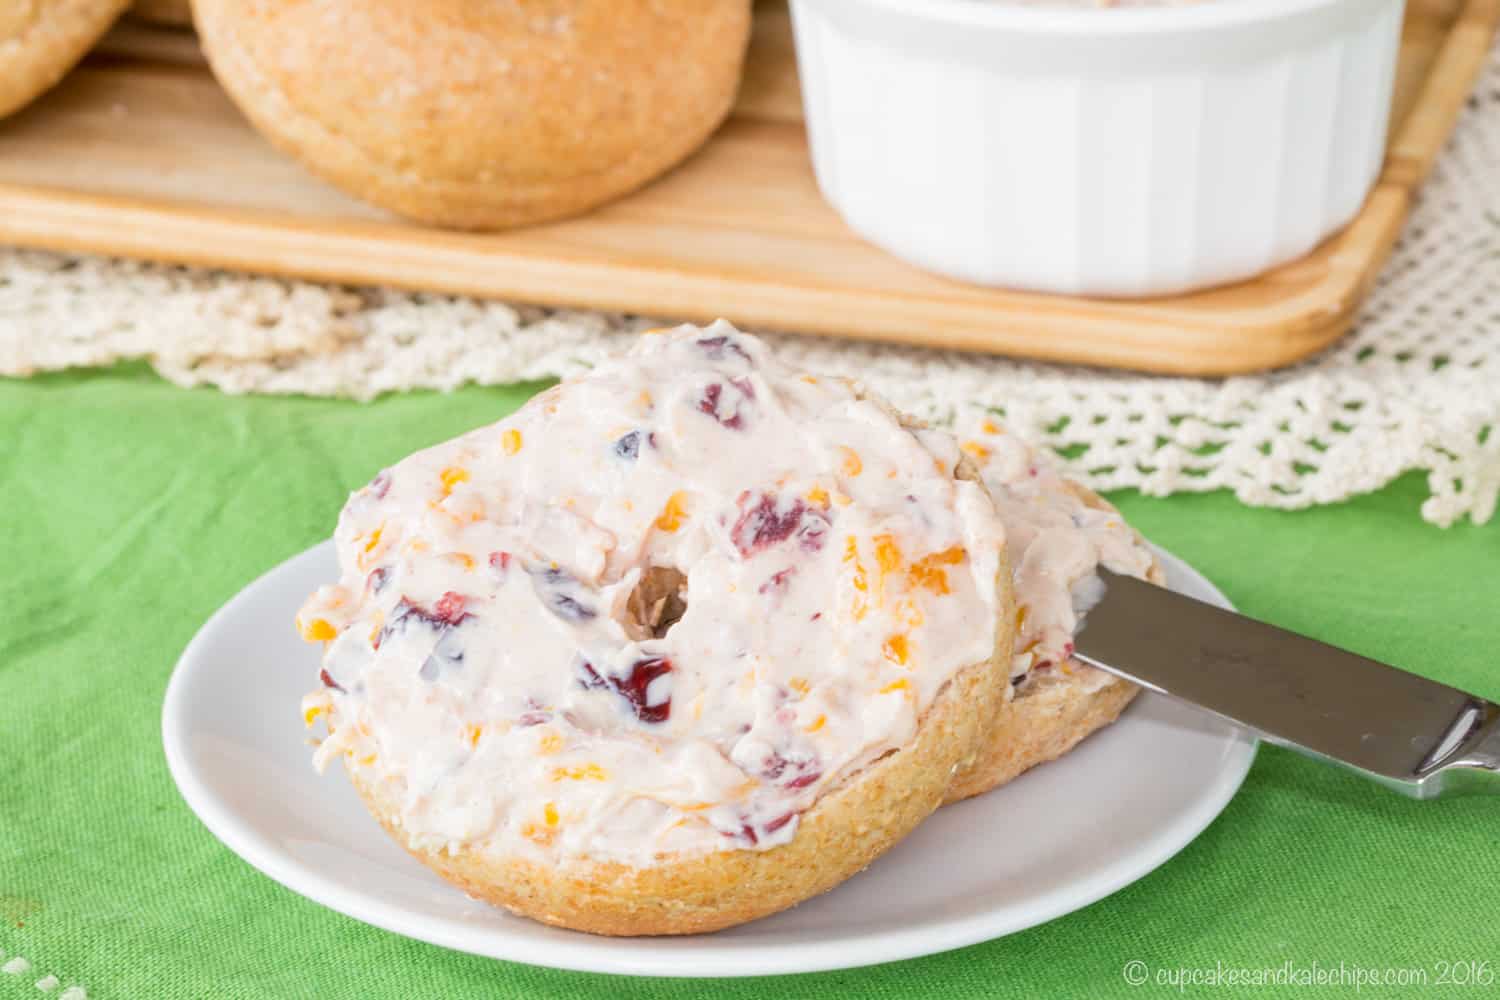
<point>1422,738</point>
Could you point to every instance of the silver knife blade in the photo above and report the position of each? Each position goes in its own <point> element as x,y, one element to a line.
<point>1410,733</point>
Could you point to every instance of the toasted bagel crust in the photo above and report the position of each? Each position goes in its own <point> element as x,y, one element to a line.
<point>481,116</point>
<point>842,833</point>
<point>1053,715</point>
<point>41,40</point>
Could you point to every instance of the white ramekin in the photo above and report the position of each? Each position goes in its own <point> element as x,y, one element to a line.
<point>1101,152</point>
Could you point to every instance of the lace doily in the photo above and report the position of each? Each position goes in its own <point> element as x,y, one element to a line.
<point>1415,385</point>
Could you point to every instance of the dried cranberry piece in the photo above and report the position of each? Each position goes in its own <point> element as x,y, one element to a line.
<point>727,406</point>
<point>377,579</point>
<point>777,582</point>
<point>768,522</point>
<point>588,677</point>
<point>500,561</point>
<point>450,608</point>
<point>717,347</point>
<point>552,585</point>
<point>747,832</point>
<point>633,686</point>
<point>629,446</point>
<point>329,682</point>
<point>779,822</point>
<point>533,719</point>
<point>380,485</point>
<point>801,771</point>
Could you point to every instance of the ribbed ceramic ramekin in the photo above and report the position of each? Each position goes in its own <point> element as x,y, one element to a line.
<point>1133,151</point>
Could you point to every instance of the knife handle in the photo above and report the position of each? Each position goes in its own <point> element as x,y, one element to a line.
<point>1469,761</point>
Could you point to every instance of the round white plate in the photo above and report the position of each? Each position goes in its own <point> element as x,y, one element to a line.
<point>237,749</point>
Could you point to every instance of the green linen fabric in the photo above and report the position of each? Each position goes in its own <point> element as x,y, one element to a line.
<point>132,509</point>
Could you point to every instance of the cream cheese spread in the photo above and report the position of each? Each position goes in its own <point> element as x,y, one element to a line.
<point>658,611</point>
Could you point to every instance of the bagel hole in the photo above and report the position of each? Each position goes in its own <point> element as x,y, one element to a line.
<point>657,603</point>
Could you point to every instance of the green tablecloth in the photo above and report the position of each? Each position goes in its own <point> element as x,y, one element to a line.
<point>132,509</point>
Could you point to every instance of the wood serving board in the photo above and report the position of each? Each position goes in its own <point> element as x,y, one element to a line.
<point>139,154</point>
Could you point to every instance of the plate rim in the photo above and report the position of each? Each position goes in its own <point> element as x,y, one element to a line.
<point>637,956</point>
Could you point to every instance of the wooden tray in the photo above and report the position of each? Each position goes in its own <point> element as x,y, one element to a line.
<point>138,153</point>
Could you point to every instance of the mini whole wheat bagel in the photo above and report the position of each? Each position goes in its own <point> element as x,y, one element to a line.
<point>40,40</point>
<point>679,644</point>
<point>481,116</point>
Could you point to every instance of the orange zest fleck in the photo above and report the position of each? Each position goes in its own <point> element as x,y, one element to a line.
<point>452,476</point>
<point>897,685</point>
<point>852,464</point>
<point>976,449</point>
<point>510,441</point>
<point>317,630</point>
<point>374,538</point>
<point>673,513</point>
<point>817,723</point>
<point>896,649</point>
<point>587,772</point>
<point>928,572</point>
<point>536,834</point>
<point>472,733</point>
<point>887,554</point>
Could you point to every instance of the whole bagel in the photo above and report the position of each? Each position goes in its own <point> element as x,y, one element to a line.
<point>40,40</point>
<point>481,115</point>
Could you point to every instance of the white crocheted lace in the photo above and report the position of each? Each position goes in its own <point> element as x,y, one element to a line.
<point>1415,386</point>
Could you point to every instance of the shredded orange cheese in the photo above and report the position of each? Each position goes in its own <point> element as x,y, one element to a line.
<point>673,513</point>
<point>896,649</point>
<point>976,449</point>
<point>318,630</point>
<point>928,571</point>
<point>853,465</point>
<point>510,441</point>
<point>898,685</point>
<point>587,772</point>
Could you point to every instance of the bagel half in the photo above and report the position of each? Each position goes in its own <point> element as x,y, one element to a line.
<point>1058,709</point>
<point>881,782</point>
<point>849,827</point>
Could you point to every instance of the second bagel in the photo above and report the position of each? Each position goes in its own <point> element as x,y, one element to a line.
<point>481,116</point>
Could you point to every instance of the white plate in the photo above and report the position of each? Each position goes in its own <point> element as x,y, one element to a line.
<point>237,749</point>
